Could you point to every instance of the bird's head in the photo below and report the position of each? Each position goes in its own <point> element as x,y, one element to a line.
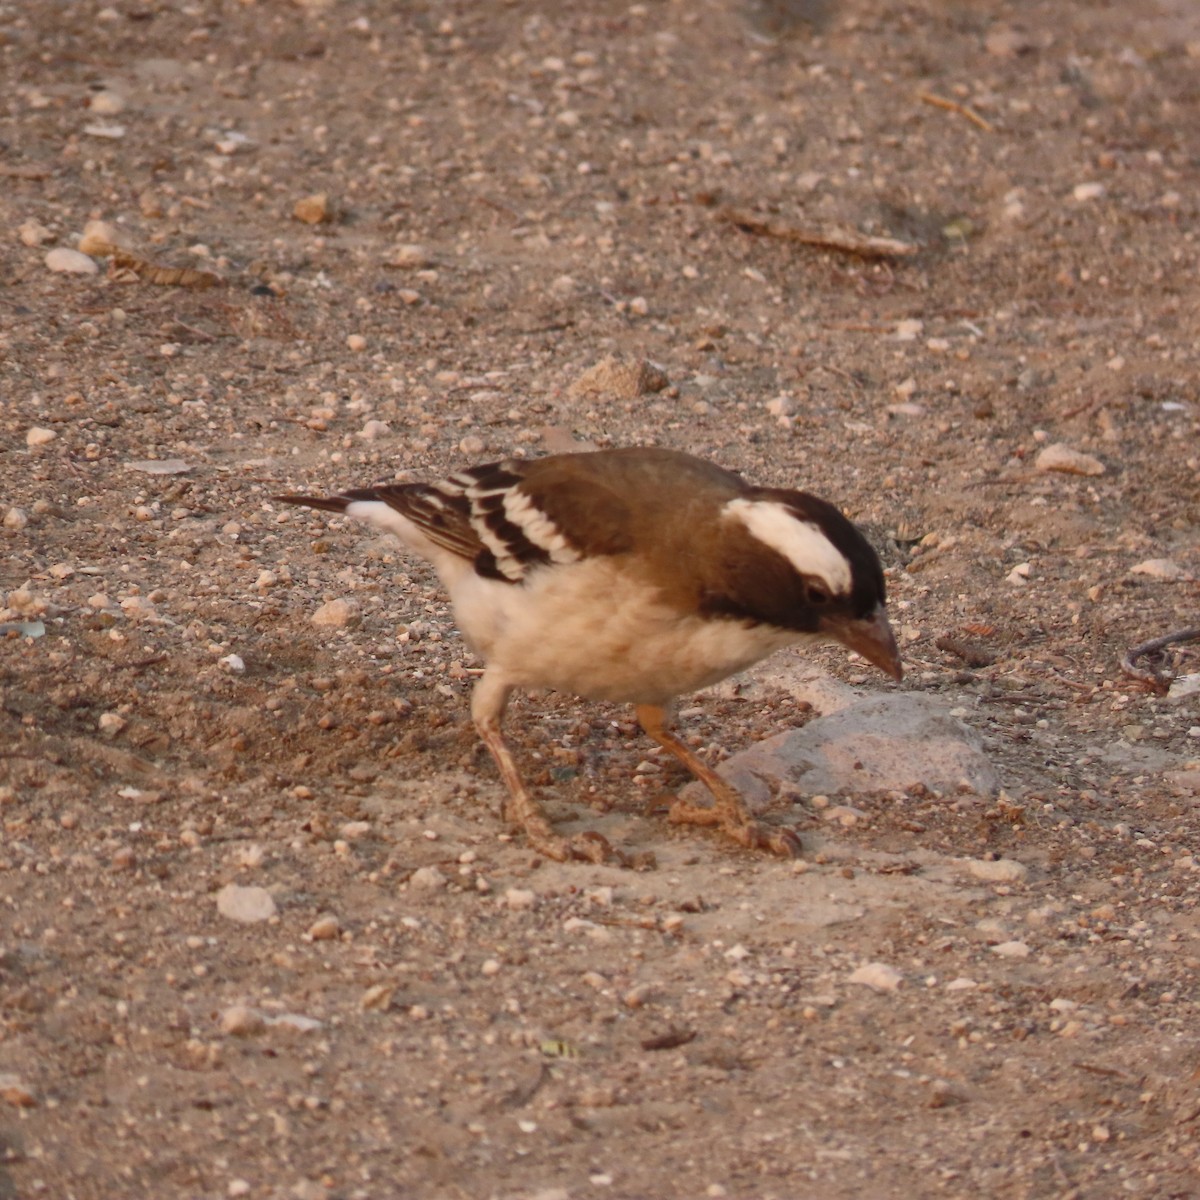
<point>797,562</point>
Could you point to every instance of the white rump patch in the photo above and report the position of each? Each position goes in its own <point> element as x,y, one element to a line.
<point>800,542</point>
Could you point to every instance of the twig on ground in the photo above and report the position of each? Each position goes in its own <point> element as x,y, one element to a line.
<point>1151,676</point>
<point>955,107</point>
<point>847,241</point>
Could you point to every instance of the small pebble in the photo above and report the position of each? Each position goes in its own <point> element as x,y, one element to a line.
<point>313,210</point>
<point>410,255</point>
<point>519,899</point>
<point>625,378</point>
<point>234,663</point>
<point>34,233</point>
<point>111,723</point>
<point>240,1020</point>
<point>356,342</point>
<point>374,429</point>
<point>246,904</point>
<point>37,436</point>
<point>427,878</point>
<point>70,262</point>
<point>14,1091</point>
<point>1159,568</point>
<point>15,518</point>
<point>377,998</point>
<point>1011,950</point>
<point>879,976</point>
<point>99,238</point>
<point>1061,457</point>
<point>844,814</point>
<point>1002,870</point>
<point>1088,191</point>
<point>107,103</point>
<point>109,131</point>
<point>324,929</point>
<point>337,614</point>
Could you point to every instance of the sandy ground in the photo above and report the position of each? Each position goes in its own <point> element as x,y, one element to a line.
<point>513,192</point>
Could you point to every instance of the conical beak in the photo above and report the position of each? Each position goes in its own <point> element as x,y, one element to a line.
<point>872,637</point>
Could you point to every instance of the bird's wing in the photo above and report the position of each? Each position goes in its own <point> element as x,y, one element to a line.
<point>531,514</point>
<point>442,513</point>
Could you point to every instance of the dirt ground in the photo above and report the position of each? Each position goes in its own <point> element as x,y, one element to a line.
<point>514,191</point>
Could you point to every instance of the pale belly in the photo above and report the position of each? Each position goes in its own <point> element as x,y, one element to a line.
<point>589,636</point>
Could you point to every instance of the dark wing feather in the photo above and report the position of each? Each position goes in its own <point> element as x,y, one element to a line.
<point>442,514</point>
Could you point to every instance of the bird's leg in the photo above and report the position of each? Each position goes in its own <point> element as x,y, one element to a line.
<point>488,702</point>
<point>728,809</point>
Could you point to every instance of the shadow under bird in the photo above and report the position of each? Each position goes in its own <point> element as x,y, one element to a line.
<point>633,575</point>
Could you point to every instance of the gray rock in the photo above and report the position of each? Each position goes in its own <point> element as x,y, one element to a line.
<point>881,744</point>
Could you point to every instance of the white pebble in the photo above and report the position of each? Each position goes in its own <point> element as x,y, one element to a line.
<point>374,429</point>
<point>297,1021</point>
<point>246,904</point>
<point>1002,870</point>
<point>1159,568</point>
<point>266,579</point>
<point>1011,950</point>
<point>427,878</point>
<point>877,975</point>
<point>15,518</point>
<point>356,342</point>
<point>519,899</point>
<point>70,262</point>
<point>111,723</point>
<point>1088,191</point>
<point>490,967</point>
<point>472,444</point>
<point>109,131</point>
<point>232,662</point>
<point>37,436</point>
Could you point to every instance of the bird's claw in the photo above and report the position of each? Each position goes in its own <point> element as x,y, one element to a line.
<point>737,824</point>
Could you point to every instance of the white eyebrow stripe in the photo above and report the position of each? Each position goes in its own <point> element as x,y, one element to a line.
<point>800,542</point>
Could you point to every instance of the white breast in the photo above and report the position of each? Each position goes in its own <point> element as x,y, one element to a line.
<point>577,628</point>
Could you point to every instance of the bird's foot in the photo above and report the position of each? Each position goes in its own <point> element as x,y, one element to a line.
<point>588,846</point>
<point>738,825</point>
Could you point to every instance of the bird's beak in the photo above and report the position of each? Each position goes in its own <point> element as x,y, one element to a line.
<point>872,637</point>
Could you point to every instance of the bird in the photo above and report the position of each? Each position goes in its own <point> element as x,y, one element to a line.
<point>633,575</point>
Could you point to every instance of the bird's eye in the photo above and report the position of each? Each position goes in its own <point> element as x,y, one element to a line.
<point>818,594</point>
